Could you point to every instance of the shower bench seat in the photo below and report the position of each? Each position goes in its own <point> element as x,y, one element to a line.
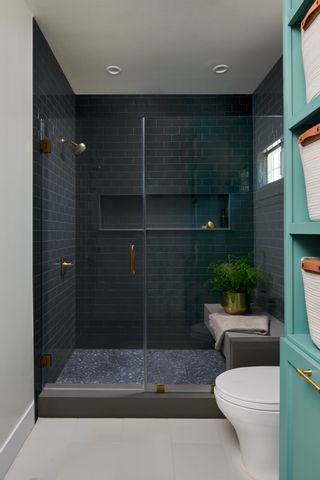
<point>245,349</point>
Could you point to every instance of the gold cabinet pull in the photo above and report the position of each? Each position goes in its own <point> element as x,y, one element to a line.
<point>306,374</point>
<point>132,260</point>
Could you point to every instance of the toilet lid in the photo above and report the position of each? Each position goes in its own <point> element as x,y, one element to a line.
<point>251,387</point>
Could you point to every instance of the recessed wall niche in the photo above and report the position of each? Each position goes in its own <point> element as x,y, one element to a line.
<point>187,211</point>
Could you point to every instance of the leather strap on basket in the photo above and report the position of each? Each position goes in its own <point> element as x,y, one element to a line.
<point>311,15</point>
<point>310,136</point>
<point>311,265</point>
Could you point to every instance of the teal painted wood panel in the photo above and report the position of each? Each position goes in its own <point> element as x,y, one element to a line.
<point>300,416</point>
<point>298,11</point>
<point>288,202</point>
<point>298,85</point>
<point>305,344</point>
<point>308,114</point>
<point>299,197</point>
<point>304,228</point>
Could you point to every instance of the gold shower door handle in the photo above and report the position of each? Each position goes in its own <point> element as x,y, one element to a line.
<point>132,260</point>
<point>306,374</point>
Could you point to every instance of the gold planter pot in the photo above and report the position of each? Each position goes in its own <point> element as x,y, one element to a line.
<point>235,303</point>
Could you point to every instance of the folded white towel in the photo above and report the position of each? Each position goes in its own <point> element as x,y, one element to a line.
<point>221,322</point>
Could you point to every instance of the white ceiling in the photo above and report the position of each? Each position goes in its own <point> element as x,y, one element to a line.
<point>162,46</point>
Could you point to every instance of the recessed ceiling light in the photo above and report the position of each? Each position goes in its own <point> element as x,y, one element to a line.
<point>113,69</point>
<point>219,69</point>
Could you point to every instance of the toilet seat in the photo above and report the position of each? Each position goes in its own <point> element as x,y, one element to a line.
<point>256,388</point>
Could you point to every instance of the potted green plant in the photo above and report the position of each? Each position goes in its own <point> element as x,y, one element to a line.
<point>236,279</point>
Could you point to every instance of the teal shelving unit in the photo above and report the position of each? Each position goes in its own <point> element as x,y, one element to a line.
<point>300,402</point>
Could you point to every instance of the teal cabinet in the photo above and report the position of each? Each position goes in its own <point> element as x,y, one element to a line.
<point>300,401</point>
<point>300,415</point>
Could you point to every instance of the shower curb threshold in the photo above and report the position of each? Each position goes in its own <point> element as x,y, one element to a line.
<point>98,402</point>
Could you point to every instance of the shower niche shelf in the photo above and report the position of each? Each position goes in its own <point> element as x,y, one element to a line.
<point>187,211</point>
<point>121,213</point>
<point>164,212</point>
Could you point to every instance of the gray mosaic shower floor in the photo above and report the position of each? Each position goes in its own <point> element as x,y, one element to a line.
<point>126,366</point>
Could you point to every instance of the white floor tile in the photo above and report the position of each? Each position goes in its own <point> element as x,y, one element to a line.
<point>147,449</point>
<point>41,454</point>
<point>150,460</point>
<point>204,461</point>
<point>129,449</point>
<point>99,430</point>
<point>142,429</point>
<point>196,430</point>
<point>90,461</point>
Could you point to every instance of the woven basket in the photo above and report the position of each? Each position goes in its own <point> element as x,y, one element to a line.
<point>310,41</point>
<point>309,145</point>
<point>311,279</point>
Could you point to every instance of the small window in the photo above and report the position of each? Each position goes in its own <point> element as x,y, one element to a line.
<point>270,164</point>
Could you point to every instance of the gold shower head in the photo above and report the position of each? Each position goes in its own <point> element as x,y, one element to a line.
<point>76,147</point>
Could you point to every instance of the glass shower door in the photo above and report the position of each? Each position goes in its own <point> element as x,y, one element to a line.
<point>106,341</point>
<point>110,250</point>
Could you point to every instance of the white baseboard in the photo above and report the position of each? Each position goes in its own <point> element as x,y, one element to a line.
<point>14,442</point>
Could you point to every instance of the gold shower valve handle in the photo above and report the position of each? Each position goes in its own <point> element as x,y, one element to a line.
<point>132,260</point>
<point>306,374</point>
<point>65,264</point>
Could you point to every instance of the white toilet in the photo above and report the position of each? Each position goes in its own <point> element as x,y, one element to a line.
<point>250,399</point>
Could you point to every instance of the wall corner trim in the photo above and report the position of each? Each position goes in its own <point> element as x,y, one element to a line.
<point>11,447</point>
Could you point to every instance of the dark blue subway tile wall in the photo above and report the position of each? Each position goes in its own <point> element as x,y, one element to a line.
<point>198,154</point>
<point>109,300</point>
<point>137,106</point>
<point>178,274</point>
<point>268,200</point>
<point>53,211</point>
<point>112,163</point>
<point>186,211</point>
<point>193,145</point>
<point>109,175</point>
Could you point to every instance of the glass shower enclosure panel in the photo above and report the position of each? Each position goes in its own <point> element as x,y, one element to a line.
<point>106,344</point>
<point>198,184</point>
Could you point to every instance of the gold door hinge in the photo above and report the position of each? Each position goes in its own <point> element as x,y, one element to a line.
<point>45,360</point>
<point>45,146</point>
<point>161,388</point>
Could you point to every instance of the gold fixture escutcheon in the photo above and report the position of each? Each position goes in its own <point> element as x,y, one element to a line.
<point>306,374</point>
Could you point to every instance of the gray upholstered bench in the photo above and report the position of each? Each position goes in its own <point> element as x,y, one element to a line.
<point>244,349</point>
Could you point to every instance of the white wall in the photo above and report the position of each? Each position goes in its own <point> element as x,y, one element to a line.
<point>16,329</point>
